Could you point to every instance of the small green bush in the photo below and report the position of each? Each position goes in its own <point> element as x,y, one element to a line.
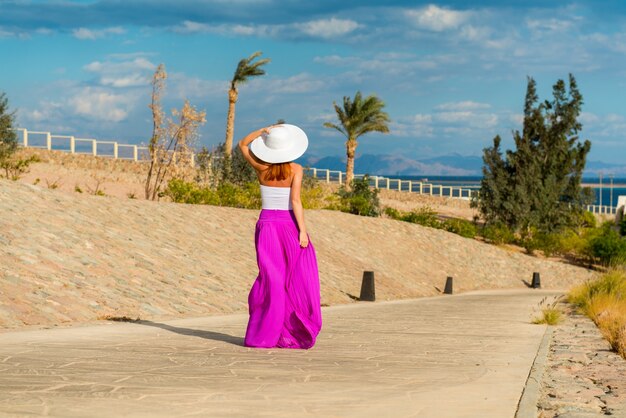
<point>312,194</point>
<point>393,213</point>
<point>15,167</point>
<point>460,227</point>
<point>546,242</point>
<point>587,219</point>
<point>181,191</point>
<point>622,227</point>
<point>424,216</point>
<point>497,233</point>
<point>361,199</point>
<point>247,195</point>
<point>608,247</point>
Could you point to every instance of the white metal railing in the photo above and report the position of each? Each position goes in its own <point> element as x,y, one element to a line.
<point>602,209</point>
<point>73,144</point>
<point>413,186</point>
<point>140,153</point>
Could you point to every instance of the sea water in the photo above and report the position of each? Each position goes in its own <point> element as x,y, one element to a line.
<point>608,192</point>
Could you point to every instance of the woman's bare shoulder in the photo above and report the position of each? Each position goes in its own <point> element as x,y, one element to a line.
<point>296,166</point>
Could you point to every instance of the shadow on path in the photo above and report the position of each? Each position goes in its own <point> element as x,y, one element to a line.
<point>209,335</point>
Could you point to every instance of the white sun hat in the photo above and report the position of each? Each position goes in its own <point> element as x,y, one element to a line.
<point>282,144</point>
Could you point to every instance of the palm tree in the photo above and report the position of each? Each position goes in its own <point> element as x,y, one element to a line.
<point>246,69</point>
<point>358,117</point>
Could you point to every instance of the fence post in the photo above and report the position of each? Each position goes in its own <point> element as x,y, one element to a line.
<point>72,145</point>
<point>48,141</point>
<point>94,147</point>
<point>327,176</point>
<point>25,138</point>
<point>315,173</point>
<point>388,187</point>
<point>115,150</point>
<point>410,186</point>
<point>192,159</point>
<point>430,189</point>
<point>340,173</point>
<point>399,185</point>
<point>135,154</point>
<point>421,187</point>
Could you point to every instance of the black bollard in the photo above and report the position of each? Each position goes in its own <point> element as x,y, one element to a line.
<point>448,289</point>
<point>367,287</point>
<point>536,284</point>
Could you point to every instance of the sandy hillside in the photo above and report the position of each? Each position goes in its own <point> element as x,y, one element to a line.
<point>68,257</point>
<point>76,174</point>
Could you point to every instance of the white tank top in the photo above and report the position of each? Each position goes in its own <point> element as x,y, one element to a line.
<point>276,197</point>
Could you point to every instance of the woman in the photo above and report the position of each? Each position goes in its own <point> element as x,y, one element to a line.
<point>284,302</point>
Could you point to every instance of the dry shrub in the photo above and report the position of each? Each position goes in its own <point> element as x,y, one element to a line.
<point>550,313</point>
<point>172,140</point>
<point>549,316</point>
<point>604,301</point>
<point>612,323</point>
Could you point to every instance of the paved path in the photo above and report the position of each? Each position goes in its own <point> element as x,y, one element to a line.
<point>454,356</point>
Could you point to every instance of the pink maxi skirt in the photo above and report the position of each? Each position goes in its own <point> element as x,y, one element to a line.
<point>284,302</point>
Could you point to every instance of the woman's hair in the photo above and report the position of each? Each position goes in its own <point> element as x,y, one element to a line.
<point>280,171</point>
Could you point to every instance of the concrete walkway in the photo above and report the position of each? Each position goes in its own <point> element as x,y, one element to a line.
<point>454,356</point>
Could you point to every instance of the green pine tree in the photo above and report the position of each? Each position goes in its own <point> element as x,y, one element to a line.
<point>8,137</point>
<point>537,186</point>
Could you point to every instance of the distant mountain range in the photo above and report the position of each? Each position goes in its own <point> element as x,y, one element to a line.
<point>446,165</point>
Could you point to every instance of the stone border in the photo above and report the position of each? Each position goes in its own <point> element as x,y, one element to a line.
<point>527,406</point>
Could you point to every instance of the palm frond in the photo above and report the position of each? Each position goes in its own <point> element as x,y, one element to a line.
<point>359,116</point>
<point>337,127</point>
<point>246,69</point>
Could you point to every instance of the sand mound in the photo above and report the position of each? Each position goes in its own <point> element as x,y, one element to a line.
<point>76,257</point>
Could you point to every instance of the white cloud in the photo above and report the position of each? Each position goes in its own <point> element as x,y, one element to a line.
<point>467,119</point>
<point>91,34</point>
<point>126,73</point>
<point>549,25</point>
<point>299,83</point>
<point>5,33</point>
<point>189,26</point>
<point>586,117</point>
<point>437,19</point>
<point>321,28</point>
<point>475,33</point>
<point>517,119</point>
<point>614,118</point>
<point>421,118</point>
<point>327,28</point>
<point>322,117</point>
<point>417,126</point>
<point>49,111</point>
<point>465,105</point>
<point>139,63</point>
<point>185,87</point>
<point>100,104</point>
<point>382,64</point>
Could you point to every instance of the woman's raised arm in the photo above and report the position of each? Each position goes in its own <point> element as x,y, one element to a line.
<point>243,146</point>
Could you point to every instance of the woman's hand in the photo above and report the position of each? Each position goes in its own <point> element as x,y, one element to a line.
<point>304,239</point>
<point>267,129</point>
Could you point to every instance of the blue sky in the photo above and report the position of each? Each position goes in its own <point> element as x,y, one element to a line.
<point>453,73</point>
